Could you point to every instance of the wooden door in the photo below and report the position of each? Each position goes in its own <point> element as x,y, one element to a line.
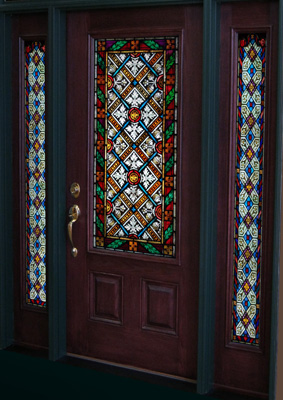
<point>132,289</point>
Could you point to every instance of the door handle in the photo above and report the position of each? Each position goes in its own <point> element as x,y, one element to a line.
<point>74,213</point>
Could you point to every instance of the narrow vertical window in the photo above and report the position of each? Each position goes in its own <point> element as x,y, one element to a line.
<point>248,188</point>
<point>35,173</point>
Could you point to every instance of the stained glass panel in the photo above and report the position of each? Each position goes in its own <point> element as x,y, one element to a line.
<point>35,173</point>
<point>248,189</point>
<point>136,145</point>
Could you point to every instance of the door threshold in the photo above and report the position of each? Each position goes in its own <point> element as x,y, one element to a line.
<point>152,377</point>
<point>130,371</point>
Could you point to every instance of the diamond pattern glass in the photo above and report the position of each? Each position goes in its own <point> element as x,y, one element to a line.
<point>35,174</point>
<point>135,150</point>
<point>248,188</point>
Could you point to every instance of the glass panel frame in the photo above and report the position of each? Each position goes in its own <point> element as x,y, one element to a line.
<point>157,139</point>
<point>249,188</point>
<point>35,165</point>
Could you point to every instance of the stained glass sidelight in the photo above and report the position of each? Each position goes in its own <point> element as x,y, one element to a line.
<point>136,145</point>
<point>248,189</point>
<point>35,173</point>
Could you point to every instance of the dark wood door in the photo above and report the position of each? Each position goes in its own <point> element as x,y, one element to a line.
<point>132,290</point>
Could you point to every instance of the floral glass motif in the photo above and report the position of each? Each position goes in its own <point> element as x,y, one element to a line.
<point>248,189</point>
<point>135,145</point>
<point>35,174</point>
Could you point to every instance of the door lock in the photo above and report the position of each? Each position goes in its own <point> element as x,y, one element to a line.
<point>75,190</point>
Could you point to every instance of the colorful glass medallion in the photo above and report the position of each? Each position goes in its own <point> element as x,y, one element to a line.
<point>248,189</point>
<point>136,145</point>
<point>35,173</point>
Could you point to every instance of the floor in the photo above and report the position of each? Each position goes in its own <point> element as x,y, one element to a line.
<point>29,377</point>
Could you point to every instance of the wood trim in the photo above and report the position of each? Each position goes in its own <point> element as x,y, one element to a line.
<point>274,373</point>
<point>209,179</point>
<point>56,219</point>
<point>122,369</point>
<point>6,198</point>
<point>28,5</point>
<point>239,393</point>
<point>90,162</point>
<point>20,5</point>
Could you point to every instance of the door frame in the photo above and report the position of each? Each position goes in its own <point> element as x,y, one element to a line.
<point>56,10</point>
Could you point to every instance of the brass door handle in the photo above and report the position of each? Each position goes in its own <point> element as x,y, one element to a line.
<point>74,213</point>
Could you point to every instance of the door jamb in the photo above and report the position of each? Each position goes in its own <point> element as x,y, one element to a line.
<point>56,216</point>
<point>6,232</point>
<point>277,257</point>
